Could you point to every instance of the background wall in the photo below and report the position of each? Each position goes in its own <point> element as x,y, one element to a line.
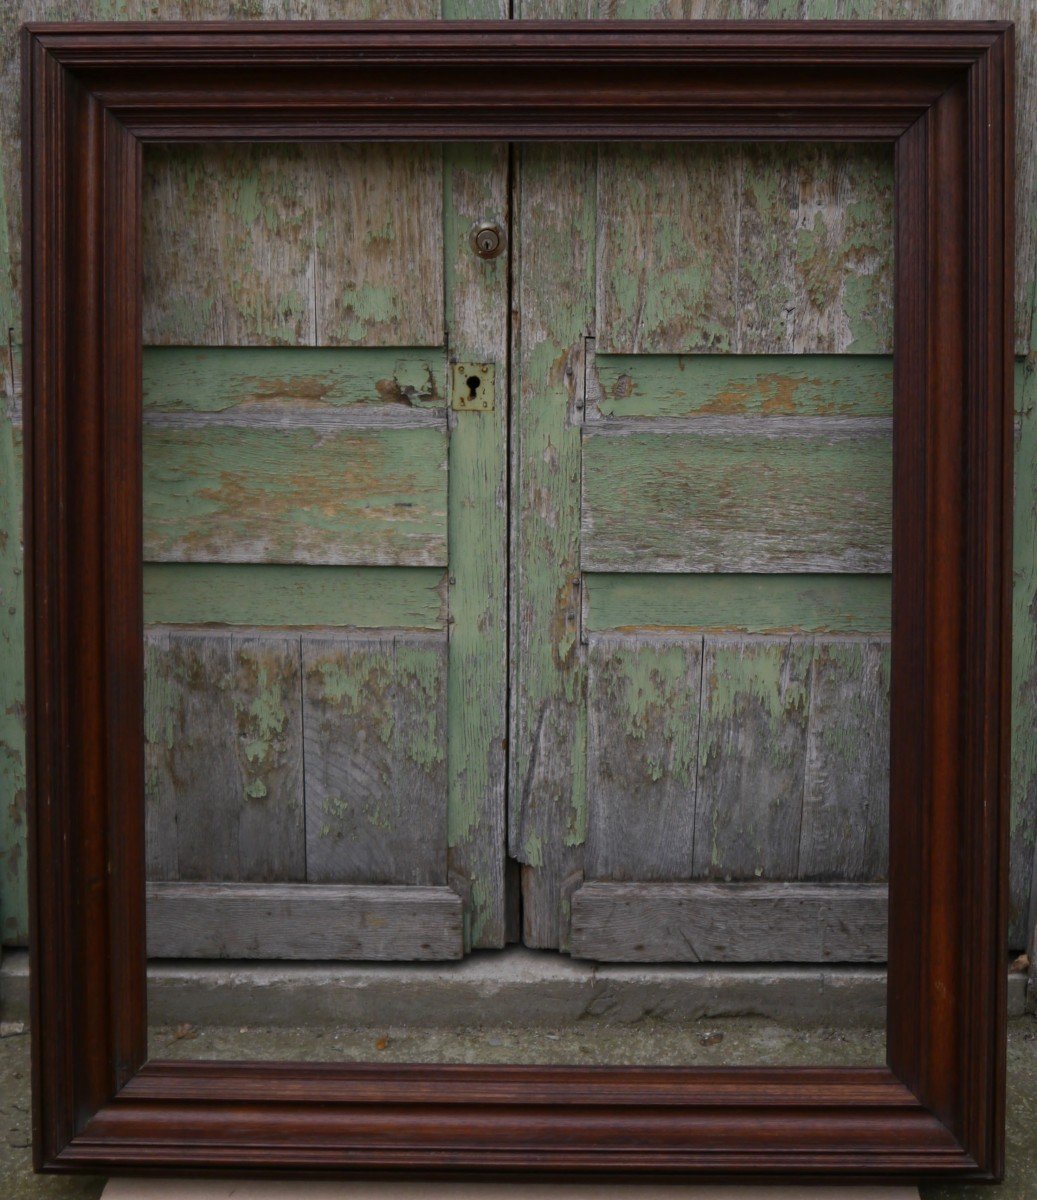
<point>872,336</point>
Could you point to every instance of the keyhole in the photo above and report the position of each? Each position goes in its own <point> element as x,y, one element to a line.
<point>473,382</point>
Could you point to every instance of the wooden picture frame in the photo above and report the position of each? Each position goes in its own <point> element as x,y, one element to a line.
<point>942,95</point>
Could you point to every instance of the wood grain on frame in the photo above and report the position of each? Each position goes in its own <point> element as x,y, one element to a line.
<point>942,93</point>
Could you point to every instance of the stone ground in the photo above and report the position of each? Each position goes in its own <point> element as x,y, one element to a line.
<point>725,1042</point>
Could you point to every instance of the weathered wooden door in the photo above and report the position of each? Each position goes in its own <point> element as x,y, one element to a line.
<point>702,551</point>
<point>699,552</point>
<point>326,549</point>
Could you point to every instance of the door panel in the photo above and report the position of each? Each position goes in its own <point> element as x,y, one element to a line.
<point>700,683</point>
<point>744,249</point>
<point>326,553</point>
<point>293,245</point>
<point>737,494</point>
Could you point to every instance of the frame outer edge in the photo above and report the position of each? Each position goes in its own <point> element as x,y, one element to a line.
<point>88,977</point>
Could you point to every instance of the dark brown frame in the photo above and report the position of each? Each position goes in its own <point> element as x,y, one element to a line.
<point>942,94</point>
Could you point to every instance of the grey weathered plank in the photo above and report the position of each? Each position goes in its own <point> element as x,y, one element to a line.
<point>752,757</point>
<point>293,245</point>
<point>696,922</point>
<point>845,827</point>
<point>301,494</point>
<point>223,756</point>
<point>767,494</point>
<point>643,723</point>
<point>744,249</point>
<point>375,749</point>
<point>307,921</point>
<point>554,281</point>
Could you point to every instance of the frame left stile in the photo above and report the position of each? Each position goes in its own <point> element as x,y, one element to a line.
<point>93,95</point>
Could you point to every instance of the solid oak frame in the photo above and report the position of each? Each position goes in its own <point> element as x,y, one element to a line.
<point>942,94</point>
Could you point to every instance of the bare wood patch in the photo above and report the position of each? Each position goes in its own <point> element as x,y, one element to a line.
<point>375,743</point>
<point>845,829</point>
<point>752,757</point>
<point>643,718</point>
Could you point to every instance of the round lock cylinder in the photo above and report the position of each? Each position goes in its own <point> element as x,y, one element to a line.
<point>487,239</point>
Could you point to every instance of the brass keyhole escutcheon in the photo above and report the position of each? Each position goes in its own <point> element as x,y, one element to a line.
<point>487,239</point>
<point>472,387</point>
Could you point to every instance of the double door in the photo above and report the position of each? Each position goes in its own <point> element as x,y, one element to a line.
<point>592,654</point>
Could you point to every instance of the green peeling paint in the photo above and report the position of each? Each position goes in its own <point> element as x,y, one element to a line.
<point>666,385</point>
<point>284,595</point>
<point>554,293</point>
<point>739,603</point>
<point>648,683</point>
<point>1023,857</point>
<point>737,501</point>
<point>214,379</point>
<point>750,673</point>
<point>13,867</point>
<point>298,495</point>
<point>748,248</point>
<point>419,673</point>
<point>474,178</point>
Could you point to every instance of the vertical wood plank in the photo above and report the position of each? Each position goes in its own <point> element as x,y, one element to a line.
<point>667,239</point>
<point>14,916</point>
<point>375,751</point>
<point>643,722</point>
<point>1023,846</point>
<point>223,756</point>
<point>845,828</point>
<point>752,757</point>
<point>476,185</point>
<point>554,297</point>
<point>378,227</point>
<point>228,246</point>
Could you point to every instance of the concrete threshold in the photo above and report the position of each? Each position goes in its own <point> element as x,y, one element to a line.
<point>507,987</point>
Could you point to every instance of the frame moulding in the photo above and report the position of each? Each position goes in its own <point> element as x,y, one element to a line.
<point>942,94</point>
